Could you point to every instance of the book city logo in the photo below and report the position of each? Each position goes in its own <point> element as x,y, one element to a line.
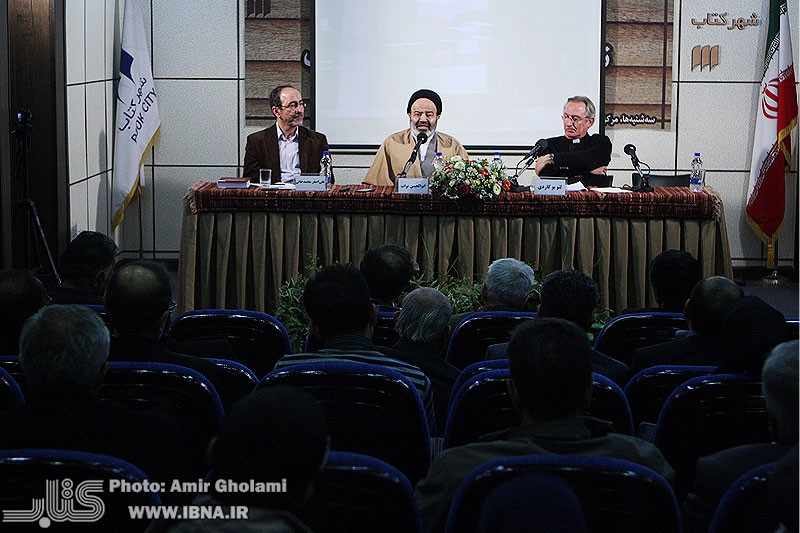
<point>63,502</point>
<point>705,57</point>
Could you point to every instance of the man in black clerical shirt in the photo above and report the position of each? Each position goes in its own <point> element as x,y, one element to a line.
<point>576,153</point>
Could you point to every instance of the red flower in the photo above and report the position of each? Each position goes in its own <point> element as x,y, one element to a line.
<point>506,185</point>
<point>463,189</point>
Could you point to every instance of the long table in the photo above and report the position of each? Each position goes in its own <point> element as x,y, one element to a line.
<point>239,246</point>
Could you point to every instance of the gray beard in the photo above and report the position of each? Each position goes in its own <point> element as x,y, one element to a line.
<point>431,131</point>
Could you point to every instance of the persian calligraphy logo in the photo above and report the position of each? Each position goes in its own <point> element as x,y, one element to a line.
<point>705,56</point>
<point>769,99</point>
<point>63,502</point>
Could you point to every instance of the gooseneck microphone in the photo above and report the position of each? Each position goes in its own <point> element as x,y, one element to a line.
<point>631,151</point>
<point>538,148</point>
<point>422,138</point>
<point>644,186</point>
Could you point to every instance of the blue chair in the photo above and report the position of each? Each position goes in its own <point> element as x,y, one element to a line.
<point>360,493</point>
<point>370,409</point>
<point>745,505</point>
<point>258,339</point>
<point>483,405</point>
<point>615,495</point>
<point>707,414</point>
<point>182,393</point>
<point>10,393</point>
<point>102,313</point>
<point>793,327</point>
<point>27,472</point>
<point>473,370</point>
<point>475,333</point>
<point>246,379</point>
<point>622,335</point>
<point>649,388</point>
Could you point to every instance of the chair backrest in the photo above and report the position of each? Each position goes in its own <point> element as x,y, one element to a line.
<point>184,394</point>
<point>793,328</point>
<point>102,313</point>
<point>661,180</point>
<point>28,473</point>
<point>707,414</point>
<point>475,333</point>
<point>473,370</point>
<point>245,379</point>
<point>649,388</point>
<point>745,505</point>
<point>622,335</point>
<point>482,405</point>
<point>383,334</point>
<point>360,493</point>
<point>615,495</point>
<point>369,409</point>
<point>10,393</point>
<point>258,339</point>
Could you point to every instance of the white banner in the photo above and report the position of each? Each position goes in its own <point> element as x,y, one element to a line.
<point>137,111</point>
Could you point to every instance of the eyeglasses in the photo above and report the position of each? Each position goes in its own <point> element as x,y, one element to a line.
<point>573,118</point>
<point>295,105</point>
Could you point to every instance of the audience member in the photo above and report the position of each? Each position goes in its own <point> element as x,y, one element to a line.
<point>424,110</point>
<point>388,270</point>
<point>342,317</point>
<point>85,266</point>
<point>21,295</point>
<point>750,330</point>
<point>507,287</point>
<point>276,435</point>
<point>551,383</point>
<point>718,471</point>
<point>783,486</point>
<point>139,304</point>
<point>709,303</point>
<point>572,295</point>
<point>63,354</point>
<point>673,275</point>
<point>424,331</point>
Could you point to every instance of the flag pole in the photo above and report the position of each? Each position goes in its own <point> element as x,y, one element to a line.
<point>773,279</point>
<point>141,232</point>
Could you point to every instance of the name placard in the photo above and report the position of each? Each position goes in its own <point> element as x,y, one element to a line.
<point>413,186</point>
<point>310,182</point>
<point>552,187</point>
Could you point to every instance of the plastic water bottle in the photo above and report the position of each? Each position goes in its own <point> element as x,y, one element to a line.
<point>438,162</point>
<point>497,163</point>
<point>326,167</point>
<point>698,175</point>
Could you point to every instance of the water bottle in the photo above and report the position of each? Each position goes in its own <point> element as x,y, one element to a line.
<point>497,163</point>
<point>326,167</point>
<point>697,177</point>
<point>438,162</point>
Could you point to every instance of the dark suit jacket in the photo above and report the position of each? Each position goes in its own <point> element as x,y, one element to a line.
<point>614,370</point>
<point>692,350</point>
<point>717,472</point>
<point>262,151</point>
<point>577,159</point>
<point>134,348</point>
<point>441,373</point>
<point>148,440</point>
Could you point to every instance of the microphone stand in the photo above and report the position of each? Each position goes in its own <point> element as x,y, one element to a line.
<point>644,186</point>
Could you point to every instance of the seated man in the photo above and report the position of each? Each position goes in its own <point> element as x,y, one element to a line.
<point>21,295</point>
<point>139,305</point>
<point>64,349</point>
<point>718,471</point>
<point>507,286</point>
<point>576,153</point>
<point>424,109</point>
<point>551,382</point>
<point>85,266</point>
<point>572,295</point>
<point>709,303</point>
<point>672,274</point>
<point>288,148</point>
<point>424,331</point>
<point>750,330</point>
<point>275,435</point>
<point>388,270</point>
<point>342,317</point>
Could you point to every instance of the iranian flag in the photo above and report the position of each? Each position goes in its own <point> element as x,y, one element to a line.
<point>776,117</point>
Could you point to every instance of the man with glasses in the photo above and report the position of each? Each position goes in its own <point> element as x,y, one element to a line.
<point>288,148</point>
<point>576,153</point>
<point>424,109</point>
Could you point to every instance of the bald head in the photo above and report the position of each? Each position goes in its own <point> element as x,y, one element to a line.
<point>709,303</point>
<point>137,295</point>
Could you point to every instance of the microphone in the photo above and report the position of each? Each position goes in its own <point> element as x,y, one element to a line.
<point>631,151</point>
<point>537,149</point>
<point>422,138</point>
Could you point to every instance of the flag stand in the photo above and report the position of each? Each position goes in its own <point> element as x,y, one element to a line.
<point>773,279</point>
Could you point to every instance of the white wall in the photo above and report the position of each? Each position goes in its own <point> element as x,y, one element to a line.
<point>197,50</point>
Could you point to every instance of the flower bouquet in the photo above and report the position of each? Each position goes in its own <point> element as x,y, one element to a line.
<point>461,178</point>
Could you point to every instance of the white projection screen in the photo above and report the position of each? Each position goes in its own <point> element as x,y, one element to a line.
<point>502,67</point>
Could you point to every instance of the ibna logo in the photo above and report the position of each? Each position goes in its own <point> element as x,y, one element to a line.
<point>63,502</point>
